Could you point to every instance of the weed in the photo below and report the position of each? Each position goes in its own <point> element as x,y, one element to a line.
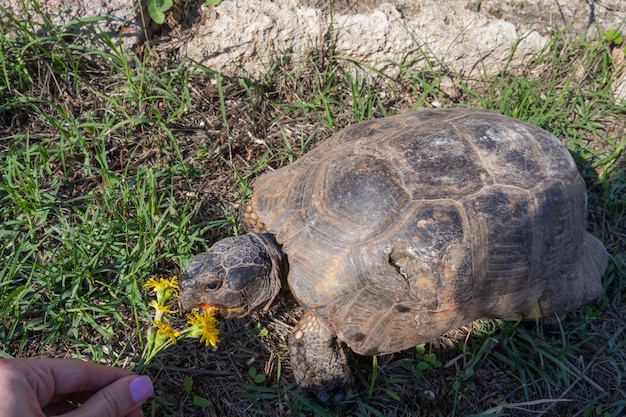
<point>197,399</point>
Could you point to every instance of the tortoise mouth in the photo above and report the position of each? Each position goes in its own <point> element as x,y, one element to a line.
<point>226,313</point>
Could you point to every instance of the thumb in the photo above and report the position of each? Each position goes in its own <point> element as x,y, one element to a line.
<point>118,399</point>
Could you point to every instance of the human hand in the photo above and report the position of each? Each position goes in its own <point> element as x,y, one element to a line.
<point>51,387</point>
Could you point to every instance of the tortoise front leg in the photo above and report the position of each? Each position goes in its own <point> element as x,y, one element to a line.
<point>319,362</point>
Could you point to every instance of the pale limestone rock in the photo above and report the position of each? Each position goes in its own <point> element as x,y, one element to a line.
<point>381,37</point>
<point>249,35</point>
<point>119,17</point>
<point>619,63</point>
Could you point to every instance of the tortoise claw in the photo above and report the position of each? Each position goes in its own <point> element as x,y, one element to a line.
<point>329,395</point>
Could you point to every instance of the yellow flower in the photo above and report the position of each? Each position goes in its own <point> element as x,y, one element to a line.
<point>161,335</point>
<point>204,326</point>
<point>165,330</point>
<point>162,284</point>
<point>160,310</point>
<point>164,288</point>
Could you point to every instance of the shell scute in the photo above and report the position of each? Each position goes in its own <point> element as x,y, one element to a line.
<point>355,197</point>
<point>436,162</point>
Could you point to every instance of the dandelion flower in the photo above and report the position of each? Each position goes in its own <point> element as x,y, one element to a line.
<point>204,326</point>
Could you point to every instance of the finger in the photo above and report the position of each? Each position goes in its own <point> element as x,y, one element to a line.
<point>16,394</point>
<point>119,399</point>
<point>51,377</point>
<point>135,413</point>
<point>58,408</point>
<point>74,398</point>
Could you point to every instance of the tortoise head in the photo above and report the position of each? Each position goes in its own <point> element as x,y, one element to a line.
<point>237,275</point>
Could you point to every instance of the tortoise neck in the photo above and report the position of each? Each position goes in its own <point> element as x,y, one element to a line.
<point>280,264</point>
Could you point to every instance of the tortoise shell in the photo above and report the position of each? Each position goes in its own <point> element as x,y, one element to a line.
<point>400,229</point>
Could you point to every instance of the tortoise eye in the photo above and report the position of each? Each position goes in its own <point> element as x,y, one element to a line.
<point>212,286</point>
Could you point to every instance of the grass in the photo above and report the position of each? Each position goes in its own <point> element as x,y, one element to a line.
<point>117,167</point>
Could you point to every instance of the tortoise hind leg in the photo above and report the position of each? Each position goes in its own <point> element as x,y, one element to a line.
<point>571,291</point>
<point>319,362</point>
<point>595,262</point>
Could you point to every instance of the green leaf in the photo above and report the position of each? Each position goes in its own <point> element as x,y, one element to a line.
<point>187,385</point>
<point>252,371</point>
<point>213,2</point>
<point>259,378</point>
<point>202,153</point>
<point>420,349</point>
<point>259,330</point>
<point>469,372</point>
<point>155,13</point>
<point>201,401</point>
<point>164,5</point>
<point>456,385</point>
<point>391,394</point>
<point>613,36</point>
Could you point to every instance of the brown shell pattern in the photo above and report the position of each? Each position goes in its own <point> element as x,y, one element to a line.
<point>402,228</point>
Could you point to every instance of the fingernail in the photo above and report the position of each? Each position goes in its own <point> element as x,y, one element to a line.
<point>141,389</point>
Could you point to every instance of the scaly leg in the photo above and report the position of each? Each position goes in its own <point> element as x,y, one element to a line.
<point>319,362</point>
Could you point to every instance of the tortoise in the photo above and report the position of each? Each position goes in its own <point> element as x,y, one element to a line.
<point>394,231</point>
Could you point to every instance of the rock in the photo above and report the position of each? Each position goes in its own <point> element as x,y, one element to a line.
<point>123,21</point>
<point>619,84</point>
<point>250,35</point>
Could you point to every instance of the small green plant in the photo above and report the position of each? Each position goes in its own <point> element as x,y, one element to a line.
<point>375,385</point>
<point>257,377</point>
<point>613,410</point>
<point>259,330</point>
<point>426,361</point>
<point>463,378</point>
<point>613,36</point>
<point>197,400</point>
<point>374,374</point>
<point>158,8</point>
